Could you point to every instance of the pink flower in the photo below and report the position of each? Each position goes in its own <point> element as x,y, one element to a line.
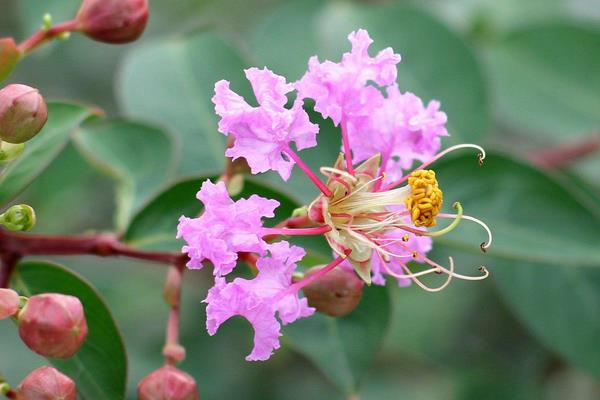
<point>225,228</point>
<point>263,134</point>
<point>260,298</point>
<point>401,129</point>
<point>340,90</point>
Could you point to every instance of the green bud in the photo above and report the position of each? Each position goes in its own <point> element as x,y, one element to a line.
<point>20,217</point>
<point>10,151</point>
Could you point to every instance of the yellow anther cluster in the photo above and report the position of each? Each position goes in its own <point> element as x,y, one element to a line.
<point>426,198</point>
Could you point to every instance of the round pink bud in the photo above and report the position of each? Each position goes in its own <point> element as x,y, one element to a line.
<point>53,325</point>
<point>46,383</point>
<point>113,21</point>
<point>9,303</point>
<point>23,113</point>
<point>337,293</point>
<point>168,383</point>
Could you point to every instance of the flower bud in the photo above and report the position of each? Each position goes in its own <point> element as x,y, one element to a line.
<point>168,383</point>
<point>53,325</point>
<point>46,383</point>
<point>23,113</point>
<point>20,217</point>
<point>10,151</point>
<point>112,21</point>
<point>336,293</point>
<point>9,57</point>
<point>9,303</point>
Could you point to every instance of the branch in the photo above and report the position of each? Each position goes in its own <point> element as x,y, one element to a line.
<point>8,262</point>
<point>43,35</point>
<point>565,153</point>
<point>102,245</point>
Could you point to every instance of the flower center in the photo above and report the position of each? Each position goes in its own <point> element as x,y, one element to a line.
<point>425,199</point>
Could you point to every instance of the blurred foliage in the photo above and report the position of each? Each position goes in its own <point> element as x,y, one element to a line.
<point>515,76</point>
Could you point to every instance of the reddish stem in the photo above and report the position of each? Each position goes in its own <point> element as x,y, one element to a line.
<point>346,144</point>
<point>307,281</point>
<point>43,35</point>
<point>566,153</point>
<point>8,263</point>
<point>317,230</point>
<point>103,245</point>
<point>306,169</point>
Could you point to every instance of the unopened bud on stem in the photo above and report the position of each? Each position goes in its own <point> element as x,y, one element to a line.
<point>113,21</point>
<point>53,325</point>
<point>336,293</point>
<point>23,113</point>
<point>9,303</point>
<point>168,383</point>
<point>46,383</point>
<point>20,217</point>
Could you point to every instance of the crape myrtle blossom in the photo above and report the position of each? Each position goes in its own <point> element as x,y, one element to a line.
<point>260,298</point>
<point>225,228</point>
<point>377,221</point>
<point>263,134</point>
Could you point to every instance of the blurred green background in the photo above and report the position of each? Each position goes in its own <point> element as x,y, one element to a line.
<point>516,76</point>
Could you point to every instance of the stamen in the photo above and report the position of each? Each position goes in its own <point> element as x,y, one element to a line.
<point>457,217</point>
<point>425,199</point>
<point>327,171</point>
<point>484,245</point>
<point>480,157</point>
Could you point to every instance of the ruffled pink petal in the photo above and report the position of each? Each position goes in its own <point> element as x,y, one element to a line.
<point>263,134</point>
<point>225,228</point>
<point>259,299</point>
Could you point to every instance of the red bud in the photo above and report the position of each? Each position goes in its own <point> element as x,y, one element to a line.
<point>23,113</point>
<point>113,21</point>
<point>46,383</point>
<point>337,293</point>
<point>9,303</point>
<point>53,325</point>
<point>168,383</point>
<point>9,57</point>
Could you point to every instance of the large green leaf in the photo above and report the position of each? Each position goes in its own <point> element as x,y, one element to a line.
<point>139,156</point>
<point>545,80</point>
<point>424,43</point>
<point>63,119</point>
<point>343,348</point>
<point>100,366</point>
<point>177,78</point>
<point>545,258</point>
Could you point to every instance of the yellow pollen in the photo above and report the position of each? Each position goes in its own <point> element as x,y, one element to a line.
<point>426,198</point>
<point>405,238</point>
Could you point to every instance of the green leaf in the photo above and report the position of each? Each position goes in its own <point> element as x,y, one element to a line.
<point>100,366</point>
<point>343,348</point>
<point>545,80</point>
<point>424,43</point>
<point>140,157</point>
<point>545,257</point>
<point>63,119</point>
<point>155,226</point>
<point>177,78</point>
